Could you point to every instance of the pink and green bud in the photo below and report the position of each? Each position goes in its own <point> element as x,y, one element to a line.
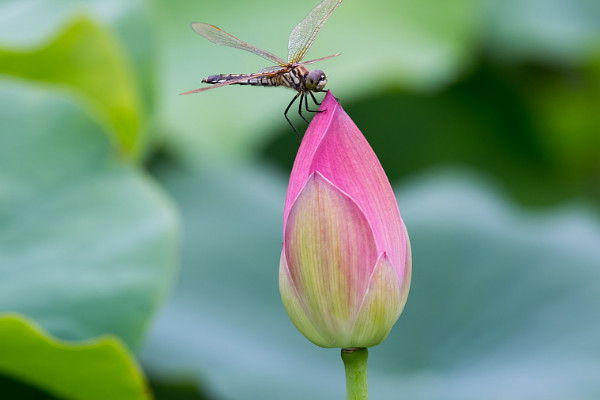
<point>345,264</point>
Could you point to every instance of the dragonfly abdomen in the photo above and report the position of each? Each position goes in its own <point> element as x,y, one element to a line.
<point>254,81</point>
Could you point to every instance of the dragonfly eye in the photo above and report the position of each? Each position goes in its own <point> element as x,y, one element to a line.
<point>315,80</point>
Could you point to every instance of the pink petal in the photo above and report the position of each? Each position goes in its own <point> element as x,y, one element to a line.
<point>380,308</point>
<point>297,310</point>
<point>336,148</point>
<point>330,252</point>
<point>406,277</point>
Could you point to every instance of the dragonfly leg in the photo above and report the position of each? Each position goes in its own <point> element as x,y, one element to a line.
<point>306,103</point>
<point>314,99</point>
<point>288,120</point>
<point>302,97</point>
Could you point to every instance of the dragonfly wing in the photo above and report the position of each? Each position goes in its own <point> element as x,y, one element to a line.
<point>232,81</point>
<point>305,33</point>
<point>223,38</point>
<point>320,59</point>
<point>272,70</point>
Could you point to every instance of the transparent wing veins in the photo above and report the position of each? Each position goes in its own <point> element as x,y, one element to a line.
<point>305,33</point>
<point>222,38</point>
<point>320,59</point>
<point>273,70</point>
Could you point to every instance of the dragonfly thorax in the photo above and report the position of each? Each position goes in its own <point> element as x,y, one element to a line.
<point>300,78</point>
<point>297,77</point>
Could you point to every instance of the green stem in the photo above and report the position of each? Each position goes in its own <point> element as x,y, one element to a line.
<point>355,363</point>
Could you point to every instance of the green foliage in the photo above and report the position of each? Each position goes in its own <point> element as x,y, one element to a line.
<point>558,31</point>
<point>97,369</point>
<point>88,61</point>
<point>88,243</point>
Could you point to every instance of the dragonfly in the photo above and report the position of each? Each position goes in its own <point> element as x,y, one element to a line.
<point>292,73</point>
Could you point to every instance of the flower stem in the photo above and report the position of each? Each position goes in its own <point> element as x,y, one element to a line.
<point>355,364</point>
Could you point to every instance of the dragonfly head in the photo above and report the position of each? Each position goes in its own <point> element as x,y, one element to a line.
<point>315,80</point>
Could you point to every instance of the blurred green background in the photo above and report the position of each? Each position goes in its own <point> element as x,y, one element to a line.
<point>140,230</point>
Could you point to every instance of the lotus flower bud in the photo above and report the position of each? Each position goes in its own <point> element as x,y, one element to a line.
<point>345,264</point>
